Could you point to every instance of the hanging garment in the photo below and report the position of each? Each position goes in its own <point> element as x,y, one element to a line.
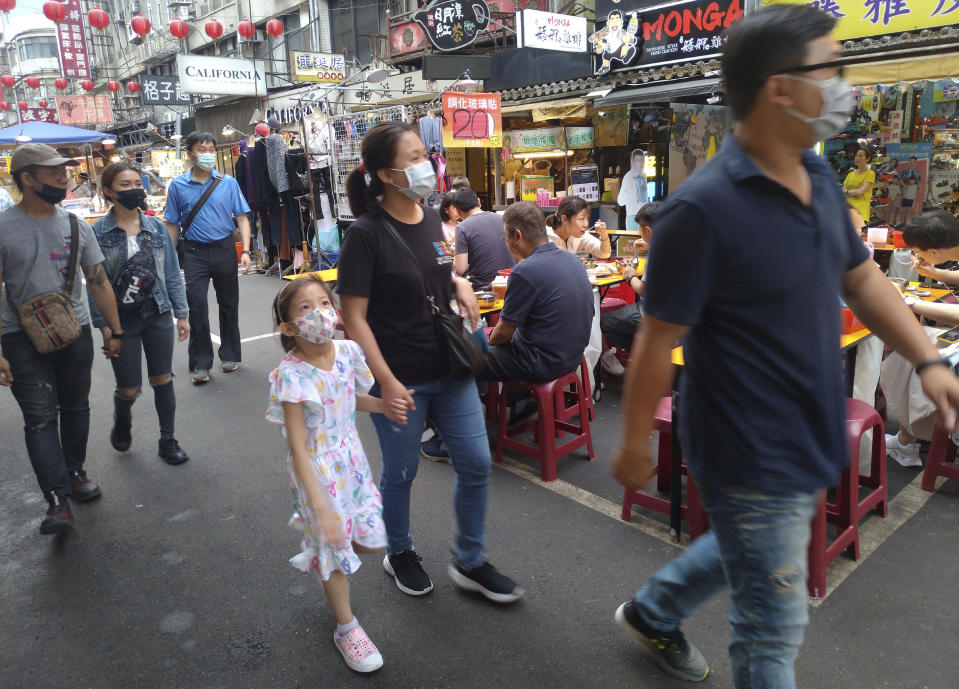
<point>275,161</point>
<point>297,172</point>
<point>431,132</point>
<point>263,189</point>
<point>319,144</point>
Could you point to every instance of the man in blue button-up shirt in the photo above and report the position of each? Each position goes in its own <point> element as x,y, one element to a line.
<point>209,253</point>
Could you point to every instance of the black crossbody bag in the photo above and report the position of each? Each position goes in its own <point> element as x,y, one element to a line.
<point>192,215</point>
<point>463,353</point>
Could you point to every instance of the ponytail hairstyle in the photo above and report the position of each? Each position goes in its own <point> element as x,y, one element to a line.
<point>568,207</point>
<point>364,189</point>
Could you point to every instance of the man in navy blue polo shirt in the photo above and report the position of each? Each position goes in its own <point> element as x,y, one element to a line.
<point>546,317</point>
<point>209,252</point>
<point>748,262</point>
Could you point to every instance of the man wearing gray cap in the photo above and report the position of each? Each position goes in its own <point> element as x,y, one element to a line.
<point>37,253</point>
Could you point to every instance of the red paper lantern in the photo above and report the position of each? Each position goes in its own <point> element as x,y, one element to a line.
<point>55,11</point>
<point>213,29</point>
<point>179,28</point>
<point>4,105</point>
<point>274,27</point>
<point>140,25</point>
<point>33,82</point>
<point>87,85</point>
<point>113,85</point>
<point>8,80</point>
<point>133,86</point>
<point>7,6</point>
<point>262,129</point>
<point>42,103</point>
<point>246,29</point>
<point>98,18</point>
<point>61,83</point>
<point>23,105</point>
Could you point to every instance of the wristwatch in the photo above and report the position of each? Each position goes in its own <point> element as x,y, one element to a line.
<point>920,367</point>
<point>910,300</point>
<point>116,336</point>
<point>246,251</point>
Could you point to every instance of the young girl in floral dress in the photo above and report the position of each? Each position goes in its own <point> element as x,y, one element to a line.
<point>315,393</point>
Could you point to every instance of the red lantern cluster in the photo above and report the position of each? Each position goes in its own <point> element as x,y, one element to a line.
<point>140,25</point>
<point>246,29</point>
<point>98,18</point>
<point>42,103</point>
<point>274,27</point>
<point>87,85</point>
<point>213,29</point>
<point>55,11</point>
<point>23,105</point>
<point>133,86</point>
<point>4,105</point>
<point>33,82</point>
<point>61,83</point>
<point>8,80</point>
<point>7,6</point>
<point>179,28</point>
<point>113,85</point>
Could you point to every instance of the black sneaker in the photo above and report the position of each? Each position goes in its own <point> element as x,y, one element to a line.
<point>674,654</point>
<point>485,579</point>
<point>59,517</point>
<point>406,570</point>
<point>84,488</point>
<point>171,452</point>
<point>121,437</point>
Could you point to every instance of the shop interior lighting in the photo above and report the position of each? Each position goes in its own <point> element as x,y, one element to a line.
<point>230,130</point>
<point>23,138</point>
<point>176,137</point>
<point>109,142</point>
<point>377,75</point>
<point>545,154</point>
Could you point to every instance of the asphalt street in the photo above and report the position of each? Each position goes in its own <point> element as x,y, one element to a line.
<point>178,576</point>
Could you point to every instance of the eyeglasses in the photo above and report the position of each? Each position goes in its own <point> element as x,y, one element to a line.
<point>820,65</point>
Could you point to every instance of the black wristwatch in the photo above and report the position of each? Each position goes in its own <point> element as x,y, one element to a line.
<point>116,336</point>
<point>630,281</point>
<point>923,365</point>
<point>246,251</point>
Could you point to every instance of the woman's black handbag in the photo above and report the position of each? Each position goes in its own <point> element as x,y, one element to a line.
<point>462,350</point>
<point>137,276</point>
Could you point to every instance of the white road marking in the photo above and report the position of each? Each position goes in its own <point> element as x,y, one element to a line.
<point>257,337</point>
<point>215,338</point>
<point>873,532</point>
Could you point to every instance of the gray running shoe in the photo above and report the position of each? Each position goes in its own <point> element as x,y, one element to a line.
<point>674,654</point>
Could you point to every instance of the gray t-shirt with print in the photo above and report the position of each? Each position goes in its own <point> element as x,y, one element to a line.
<point>34,255</point>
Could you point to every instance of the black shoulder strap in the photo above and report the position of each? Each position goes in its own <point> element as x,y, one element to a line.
<point>399,240</point>
<point>74,253</point>
<point>199,204</point>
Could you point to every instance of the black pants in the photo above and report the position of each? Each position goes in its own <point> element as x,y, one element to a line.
<point>53,393</point>
<point>322,180</point>
<point>201,262</point>
<point>620,326</point>
<point>502,363</point>
<point>290,209</point>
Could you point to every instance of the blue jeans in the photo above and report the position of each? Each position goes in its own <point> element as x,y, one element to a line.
<point>53,392</point>
<point>453,406</point>
<point>757,547</point>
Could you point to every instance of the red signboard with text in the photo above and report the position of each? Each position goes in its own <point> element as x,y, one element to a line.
<point>74,59</point>
<point>76,110</point>
<point>472,120</point>
<point>38,115</point>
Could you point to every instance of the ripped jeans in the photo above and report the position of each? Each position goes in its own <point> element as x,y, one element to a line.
<point>53,393</point>
<point>757,547</point>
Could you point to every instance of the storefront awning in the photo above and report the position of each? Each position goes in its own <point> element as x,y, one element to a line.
<point>555,110</point>
<point>912,69</point>
<point>659,92</point>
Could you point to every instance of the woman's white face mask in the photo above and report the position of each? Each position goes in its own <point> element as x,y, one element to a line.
<point>420,180</point>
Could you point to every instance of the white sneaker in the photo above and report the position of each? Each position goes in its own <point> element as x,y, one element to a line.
<point>611,364</point>
<point>906,455</point>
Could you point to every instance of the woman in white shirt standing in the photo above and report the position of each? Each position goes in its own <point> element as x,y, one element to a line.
<point>566,228</point>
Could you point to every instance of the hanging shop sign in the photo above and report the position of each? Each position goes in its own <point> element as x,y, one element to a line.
<point>85,109</point>
<point>38,115</point>
<point>287,107</point>
<point>407,87</point>
<point>162,90</point>
<point>72,41</point>
<point>535,29</point>
<point>861,18</point>
<point>453,24</point>
<point>222,76</point>
<point>548,139</point>
<point>675,32</point>
<point>611,125</point>
<point>323,68</point>
<point>945,89</point>
<point>472,120</point>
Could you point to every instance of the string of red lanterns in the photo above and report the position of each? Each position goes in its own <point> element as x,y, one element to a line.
<point>179,28</point>
<point>55,11</point>
<point>140,25</point>
<point>246,29</point>
<point>213,29</point>
<point>274,27</point>
<point>7,6</point>
<point>98,18</point>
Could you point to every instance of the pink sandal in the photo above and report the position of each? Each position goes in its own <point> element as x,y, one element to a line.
<point>358,651</point>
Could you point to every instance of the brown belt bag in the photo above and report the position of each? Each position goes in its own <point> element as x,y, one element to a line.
<point>48,319</point>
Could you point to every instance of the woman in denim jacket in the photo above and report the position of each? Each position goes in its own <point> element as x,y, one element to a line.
<point>146,321</point>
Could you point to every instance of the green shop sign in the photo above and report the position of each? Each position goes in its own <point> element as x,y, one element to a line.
<point>548,139</point>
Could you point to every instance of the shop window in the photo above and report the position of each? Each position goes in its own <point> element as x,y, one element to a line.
<point>37,47</point>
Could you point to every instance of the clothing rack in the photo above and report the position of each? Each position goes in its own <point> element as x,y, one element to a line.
<point>348,131</point>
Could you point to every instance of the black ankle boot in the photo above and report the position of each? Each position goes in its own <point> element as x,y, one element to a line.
<point>59,517</point>
<point>171,452</point>
<point>121,436</point>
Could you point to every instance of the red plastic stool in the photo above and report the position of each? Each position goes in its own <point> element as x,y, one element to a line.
<point>611,304</point>
<point>692,512</point>
<point>941,460</point>
<point>550,422</point>
<point>565,398</point>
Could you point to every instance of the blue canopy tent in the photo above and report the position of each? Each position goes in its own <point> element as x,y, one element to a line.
<point>49,133</point>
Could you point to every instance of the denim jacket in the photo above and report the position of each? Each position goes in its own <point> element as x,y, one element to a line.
<point>168,290</point>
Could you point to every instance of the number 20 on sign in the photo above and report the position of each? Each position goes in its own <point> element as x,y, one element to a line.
<point>472,120</point>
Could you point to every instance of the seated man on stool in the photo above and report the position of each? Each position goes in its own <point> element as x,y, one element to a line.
<point>544,326</point>
<point>619,326</point>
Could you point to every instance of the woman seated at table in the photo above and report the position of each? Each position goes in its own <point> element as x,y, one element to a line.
<point>450,217</point>
<point>935,237</point>
<point>566,228</point>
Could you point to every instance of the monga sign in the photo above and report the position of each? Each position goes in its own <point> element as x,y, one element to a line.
<point>221,76</point>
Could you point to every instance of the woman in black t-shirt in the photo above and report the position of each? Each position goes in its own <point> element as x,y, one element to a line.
<point>386,310</point>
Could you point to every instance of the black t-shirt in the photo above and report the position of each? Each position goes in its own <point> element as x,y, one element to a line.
<point>373,266</point>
